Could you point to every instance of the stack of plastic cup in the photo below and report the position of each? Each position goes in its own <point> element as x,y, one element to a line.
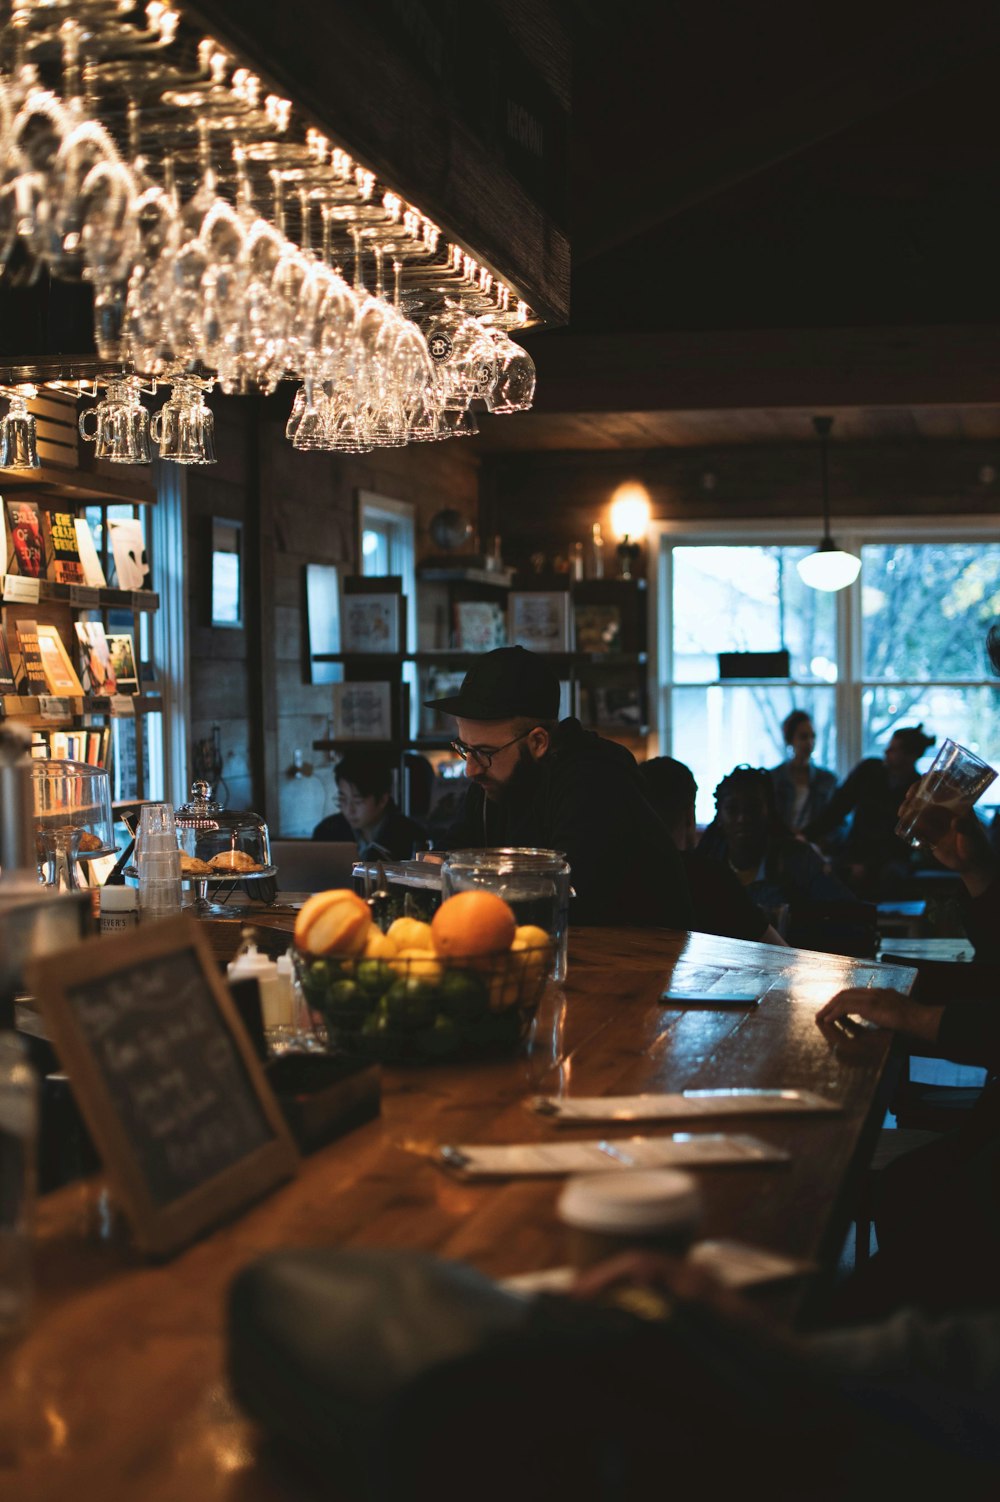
<point>158,863</point>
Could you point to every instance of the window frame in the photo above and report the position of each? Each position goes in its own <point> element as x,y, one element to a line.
<point>851,534</point>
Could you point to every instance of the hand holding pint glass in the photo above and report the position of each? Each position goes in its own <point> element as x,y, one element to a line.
<point>955,780</point>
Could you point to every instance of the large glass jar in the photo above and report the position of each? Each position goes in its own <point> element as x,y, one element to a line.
<point>535,883</point>
<point>72,808</point>
<point>230,843</point>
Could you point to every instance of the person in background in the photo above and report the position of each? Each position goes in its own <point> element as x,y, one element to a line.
<point>721,904</point>
<point>368,813</point>
<point>539,781</point>
<point>801,790</point>
<point>874,860</point>
<point>782,874</point>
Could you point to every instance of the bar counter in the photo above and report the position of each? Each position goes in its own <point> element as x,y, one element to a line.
<point>118,1391</point>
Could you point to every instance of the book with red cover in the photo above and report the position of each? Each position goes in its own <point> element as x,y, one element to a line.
<point>25,538</point>
<point>62,552</point>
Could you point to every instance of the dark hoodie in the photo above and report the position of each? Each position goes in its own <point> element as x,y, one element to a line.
<point>586,798</point>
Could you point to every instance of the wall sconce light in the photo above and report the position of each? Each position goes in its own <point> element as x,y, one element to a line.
<point>629,520</point>
<point>828,568</point>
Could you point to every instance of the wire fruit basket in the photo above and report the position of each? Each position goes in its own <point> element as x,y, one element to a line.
<point>428,1007</point>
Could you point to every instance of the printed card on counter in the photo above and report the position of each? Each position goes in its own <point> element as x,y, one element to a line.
<point>682,1150</point>
<point>734,1264</point>
<point>688,1103</point>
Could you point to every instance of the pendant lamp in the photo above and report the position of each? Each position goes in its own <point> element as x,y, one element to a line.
<point>828,568</point>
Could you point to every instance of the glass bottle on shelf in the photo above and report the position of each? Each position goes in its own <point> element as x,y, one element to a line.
<point>576,561</point>
<point>597,553</point>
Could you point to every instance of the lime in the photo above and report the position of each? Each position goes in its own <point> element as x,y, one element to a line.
<point>440,1039</point>
<point>344,996</point>
<point>410,1003</point>
<point>373,977</point>
<point>462,994</point>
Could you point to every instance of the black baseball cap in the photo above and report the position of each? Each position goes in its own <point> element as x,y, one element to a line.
<point>504,685</point>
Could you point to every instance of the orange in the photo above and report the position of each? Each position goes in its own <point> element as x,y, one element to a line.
<point>334,922</point>
<point>473,923</point>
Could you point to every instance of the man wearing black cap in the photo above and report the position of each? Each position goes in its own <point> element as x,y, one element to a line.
<point>536,780</point>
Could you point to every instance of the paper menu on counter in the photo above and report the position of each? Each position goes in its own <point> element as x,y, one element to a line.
<point>685,1104</point>
<point>681,1150</point>
<point>734,1264</point>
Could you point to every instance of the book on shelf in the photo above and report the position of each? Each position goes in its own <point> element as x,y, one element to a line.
<point>97,669</point>
<point>129,552</point>
<point>33,679</point>
<point>370,623</point>
<point>63,564</point>
<point>24,554</point>
<point>93,573</point>
<point>86,745</point>
<point>7,681</point>
<point>540,620</point>
<point>122,650</point>
<point>59,672</point>
<point>362,711</point>
<point>598,627</point>
<point>480,625</point>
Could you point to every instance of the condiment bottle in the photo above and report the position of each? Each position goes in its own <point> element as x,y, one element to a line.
<point>250,964</point>
<point>119,909</point>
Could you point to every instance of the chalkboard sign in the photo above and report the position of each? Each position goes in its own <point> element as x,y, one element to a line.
<point>165,1077</point>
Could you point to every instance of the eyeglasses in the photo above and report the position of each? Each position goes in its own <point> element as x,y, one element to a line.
<point>483,755</point>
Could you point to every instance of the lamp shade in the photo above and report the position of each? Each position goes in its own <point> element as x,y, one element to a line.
<point>828,568</point>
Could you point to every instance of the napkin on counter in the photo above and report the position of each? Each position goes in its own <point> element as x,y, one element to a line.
<point>688,1103</point>
<point>681,1150</point>
<point>732,1263</point>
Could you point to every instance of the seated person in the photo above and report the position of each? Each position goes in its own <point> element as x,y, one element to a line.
<point>777,870</point>
<point>801,790</point>
<point>874,860</point>
<point>540,781</point>
<point>721,905</point>
<point>368,814</point>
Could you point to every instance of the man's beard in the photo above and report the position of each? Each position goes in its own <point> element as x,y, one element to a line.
<point>520,783</point>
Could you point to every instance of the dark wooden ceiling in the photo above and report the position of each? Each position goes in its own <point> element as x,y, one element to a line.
<point>777,209</point>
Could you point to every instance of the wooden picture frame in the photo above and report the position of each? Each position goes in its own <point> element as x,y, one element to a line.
<point>539,620</point>
<point>185,1122</point>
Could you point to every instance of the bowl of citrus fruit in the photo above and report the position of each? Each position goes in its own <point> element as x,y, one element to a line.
<point>465,984</point>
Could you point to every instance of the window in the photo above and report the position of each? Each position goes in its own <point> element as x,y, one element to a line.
<point>905,646</point>
<point>388,546</point>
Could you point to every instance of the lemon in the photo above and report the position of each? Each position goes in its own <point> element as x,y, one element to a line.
<point>418,962</point>
<point>410,933</point>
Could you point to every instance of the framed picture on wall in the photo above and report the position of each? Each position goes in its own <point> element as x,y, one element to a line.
<point>362,711</point>
<point>540,620</point>
<point>370,622</point>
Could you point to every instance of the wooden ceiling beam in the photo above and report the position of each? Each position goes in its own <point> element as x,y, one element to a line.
<point>798,368</point>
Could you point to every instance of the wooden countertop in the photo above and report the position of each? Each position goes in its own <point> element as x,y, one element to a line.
<point>117,1390</point>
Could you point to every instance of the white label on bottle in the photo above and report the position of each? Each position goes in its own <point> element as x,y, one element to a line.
<point>52,708</point>
<point>19,588</point>
<point>117,922</point>
<point>122,704</point>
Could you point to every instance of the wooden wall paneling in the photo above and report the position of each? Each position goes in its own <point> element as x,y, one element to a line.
<point>389,82</point>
